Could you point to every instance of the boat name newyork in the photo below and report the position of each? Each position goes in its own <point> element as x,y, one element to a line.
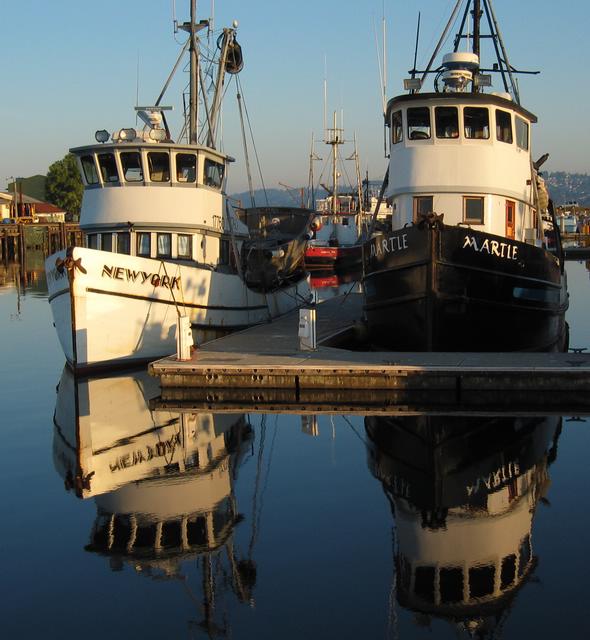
<point>389,245</point>
<point>131,275</point>
<point>493,247</point>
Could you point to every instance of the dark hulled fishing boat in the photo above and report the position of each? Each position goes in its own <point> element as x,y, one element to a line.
<point>467,265</point>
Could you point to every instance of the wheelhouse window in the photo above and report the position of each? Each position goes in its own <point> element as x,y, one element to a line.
<point>184,246</point>
<point>186,167</point>
<point>477,123</point>
<point>124,242</point>
<point>503,126</point>
<point>89,168</point>
<point>451,584</point>
<point>159,166</point>
<point>108,167</point>
<point>144,242</point>
<point>106,241</point>
<point>508,571</point>
<point>522,133</point>
<point>424,583</point>
<point>397,129</point>
<point>473,209</point>
<point>132,169</point>
<point>213,173</point>
<point>447,122</point>
<point>419,123</point>
<point>481,581</point>
<point>423,205</point>
<point>164,246</point>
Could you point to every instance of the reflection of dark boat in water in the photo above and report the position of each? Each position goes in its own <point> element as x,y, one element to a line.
<point>463,492</point>
<point>163,483</point>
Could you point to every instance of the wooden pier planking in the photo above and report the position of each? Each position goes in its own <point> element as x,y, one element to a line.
<point>268,357</point>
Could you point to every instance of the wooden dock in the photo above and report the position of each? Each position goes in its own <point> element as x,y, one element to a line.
<point>267,357</point>
<point>48,237</point>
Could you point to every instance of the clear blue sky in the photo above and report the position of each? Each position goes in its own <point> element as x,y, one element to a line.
<point>69,67</point>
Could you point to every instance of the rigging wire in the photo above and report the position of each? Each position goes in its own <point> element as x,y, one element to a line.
<point>240,90</point>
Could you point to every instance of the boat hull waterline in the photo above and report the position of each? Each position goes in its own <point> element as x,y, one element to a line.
<point>433,287</point>
<point>114,309</point>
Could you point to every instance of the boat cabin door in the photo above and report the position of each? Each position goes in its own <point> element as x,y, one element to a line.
<point>510,218</point>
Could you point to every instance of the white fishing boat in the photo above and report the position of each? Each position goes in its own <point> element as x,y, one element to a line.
<point>161,238</point>
<point>466,265</point>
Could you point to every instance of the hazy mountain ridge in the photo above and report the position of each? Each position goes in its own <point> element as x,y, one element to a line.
<point>566,187</point>
<point>563,187</point>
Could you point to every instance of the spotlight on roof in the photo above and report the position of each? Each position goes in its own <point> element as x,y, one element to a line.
<point>102,135</point>
<point>127,134</point>
<point>482,80</point>
<point>157,134</point>
<point>412,84</point>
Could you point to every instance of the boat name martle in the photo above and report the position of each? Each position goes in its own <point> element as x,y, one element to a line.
<point>389,245</point>
<point>493,247</point>
<point>504,474</point>
<point>131,275</point>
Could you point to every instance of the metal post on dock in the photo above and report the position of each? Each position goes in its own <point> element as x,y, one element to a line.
<point>307,329</point>
<point>184,338</point>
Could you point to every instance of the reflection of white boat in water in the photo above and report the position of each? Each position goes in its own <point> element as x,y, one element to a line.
<point>162,239</point>
<point>163,482</point>
<point>463,492</point>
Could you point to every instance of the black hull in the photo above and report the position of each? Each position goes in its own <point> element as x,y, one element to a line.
<point>442,288</point>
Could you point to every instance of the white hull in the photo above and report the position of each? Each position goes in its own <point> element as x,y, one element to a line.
<point>119,309</point>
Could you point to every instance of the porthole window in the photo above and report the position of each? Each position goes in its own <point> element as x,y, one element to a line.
<point>124,243</point>
<point>106,241</point>
<point>184,246</point>
<point>164,247</point>
<point>92,241</point>
<point>143,244</point>
<point>473,209</point>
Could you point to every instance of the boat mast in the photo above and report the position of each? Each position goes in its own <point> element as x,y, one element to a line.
<point>334,137</point>
<point>476,20</point>
<point>194,75</point>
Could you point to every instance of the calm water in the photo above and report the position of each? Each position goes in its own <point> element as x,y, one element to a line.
<point>122,520</point>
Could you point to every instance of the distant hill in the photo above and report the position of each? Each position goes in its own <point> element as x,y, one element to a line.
<point>275,197</point>
<point>566,187</point>
<point>563,187</point>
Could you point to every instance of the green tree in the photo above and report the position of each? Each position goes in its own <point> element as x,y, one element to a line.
<point>64,186</point>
